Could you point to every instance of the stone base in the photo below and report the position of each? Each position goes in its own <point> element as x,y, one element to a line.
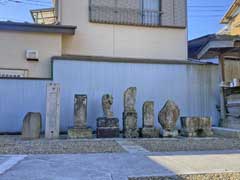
<point>107,127</point>
<point>107,132</point>
<point>130,120</point>
<point>130,133</point>
<point>169,133</point>
<point>150,133</point>
<point>107,122</point>
<point>198,133</point>
<point>76,133</point>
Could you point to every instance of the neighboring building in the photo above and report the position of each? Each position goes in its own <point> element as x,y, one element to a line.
<point>128,29</point>
<point>44,16</point>
<point>232,20</point>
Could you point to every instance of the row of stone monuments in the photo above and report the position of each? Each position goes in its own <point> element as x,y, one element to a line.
<point>108,125</point>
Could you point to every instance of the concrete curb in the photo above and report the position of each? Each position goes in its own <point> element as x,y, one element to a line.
<point>225,132</point>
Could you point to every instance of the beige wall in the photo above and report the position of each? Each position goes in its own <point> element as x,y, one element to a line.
<point>119,41</point>
<point>14,45</point>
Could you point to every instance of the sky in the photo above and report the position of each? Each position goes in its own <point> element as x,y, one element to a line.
<point>203,15</point>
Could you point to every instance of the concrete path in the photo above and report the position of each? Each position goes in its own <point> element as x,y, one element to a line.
<point>120,166</point>
<point>131,147</point>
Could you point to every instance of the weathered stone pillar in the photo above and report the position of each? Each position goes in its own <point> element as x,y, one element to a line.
<point>168,117</point>
<point>80,129</point>
<point>32,125</point>
<point>108,125</point>
<point>130,129</point>
<point>52,111</point>
<point>148,130</point>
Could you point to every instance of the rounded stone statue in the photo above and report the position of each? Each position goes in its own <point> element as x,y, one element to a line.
<point>168,117</point>
<point>107,101</point>
<point>107,126</point>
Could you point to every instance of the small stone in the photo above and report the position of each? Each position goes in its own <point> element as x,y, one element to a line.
<point>107,101</point>
<point>148,130</point>
<point>130,128</point>
<point>80,129</point>
<point>148,114</point>
<point>78,133</point>
<point>168,117</point>
<point>130,99</point>
<point>32,124</point>
<point>106,132</point>
<point>107,126</point>
<point>196,126</point>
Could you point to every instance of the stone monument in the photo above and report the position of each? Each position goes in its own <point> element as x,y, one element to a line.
<point>148,130</point>
<point>80,129</point>
<point>32,125</point>
<point>130,129</point>
<point>196,126</point>
<point>108,125</point>
<point>52,111</point>
<point>168,117</point>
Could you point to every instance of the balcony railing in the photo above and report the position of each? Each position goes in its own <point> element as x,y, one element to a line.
<point>124,16</point>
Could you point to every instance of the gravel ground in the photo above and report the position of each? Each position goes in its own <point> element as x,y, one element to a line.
<point>217,176</point>
<point>188,144</point>
<point>14,145</point>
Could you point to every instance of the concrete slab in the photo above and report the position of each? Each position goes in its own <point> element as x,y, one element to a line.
<point>7,162</point>
<point>226,132</point>
<point>122,165</point>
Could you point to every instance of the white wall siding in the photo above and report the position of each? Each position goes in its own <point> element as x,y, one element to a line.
<point>193,87</point>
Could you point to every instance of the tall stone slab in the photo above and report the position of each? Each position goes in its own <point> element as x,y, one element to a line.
<point>130,129</point>
<point>168,117</point>
<point>52,111</point>
<point>80,129</point>
<point>32,124</point>
<point>148,130</point>
<point>108,125</point>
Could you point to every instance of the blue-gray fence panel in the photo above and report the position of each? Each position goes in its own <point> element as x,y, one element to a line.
<point>193,87</point>
<point>17,97</point>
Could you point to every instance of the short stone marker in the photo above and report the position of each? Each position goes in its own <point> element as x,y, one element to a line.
<point>196,126</point>
<point>80,129</point>
<point>168,117</point>
<point>32,125</point>
<point>148,130</point>
<point>130,129</point>
<point>53,111</point>
<point>107,126</point>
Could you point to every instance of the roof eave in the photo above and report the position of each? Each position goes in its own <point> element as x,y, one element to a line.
<point>30,27</point>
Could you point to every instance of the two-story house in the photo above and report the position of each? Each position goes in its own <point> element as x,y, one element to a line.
<point>128,29</point>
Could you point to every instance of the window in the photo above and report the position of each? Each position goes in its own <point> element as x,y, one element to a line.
<point>169,13</point>
<point>151,12</point>
<point>13,73</point>
<point>130,12</point>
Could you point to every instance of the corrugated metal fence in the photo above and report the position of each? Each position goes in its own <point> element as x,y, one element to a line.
<point>193,87</point>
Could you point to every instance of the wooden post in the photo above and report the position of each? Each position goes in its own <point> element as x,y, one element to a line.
<point>222,98</point>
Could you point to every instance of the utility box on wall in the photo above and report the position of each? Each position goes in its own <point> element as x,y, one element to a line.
<point>32,55</point>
